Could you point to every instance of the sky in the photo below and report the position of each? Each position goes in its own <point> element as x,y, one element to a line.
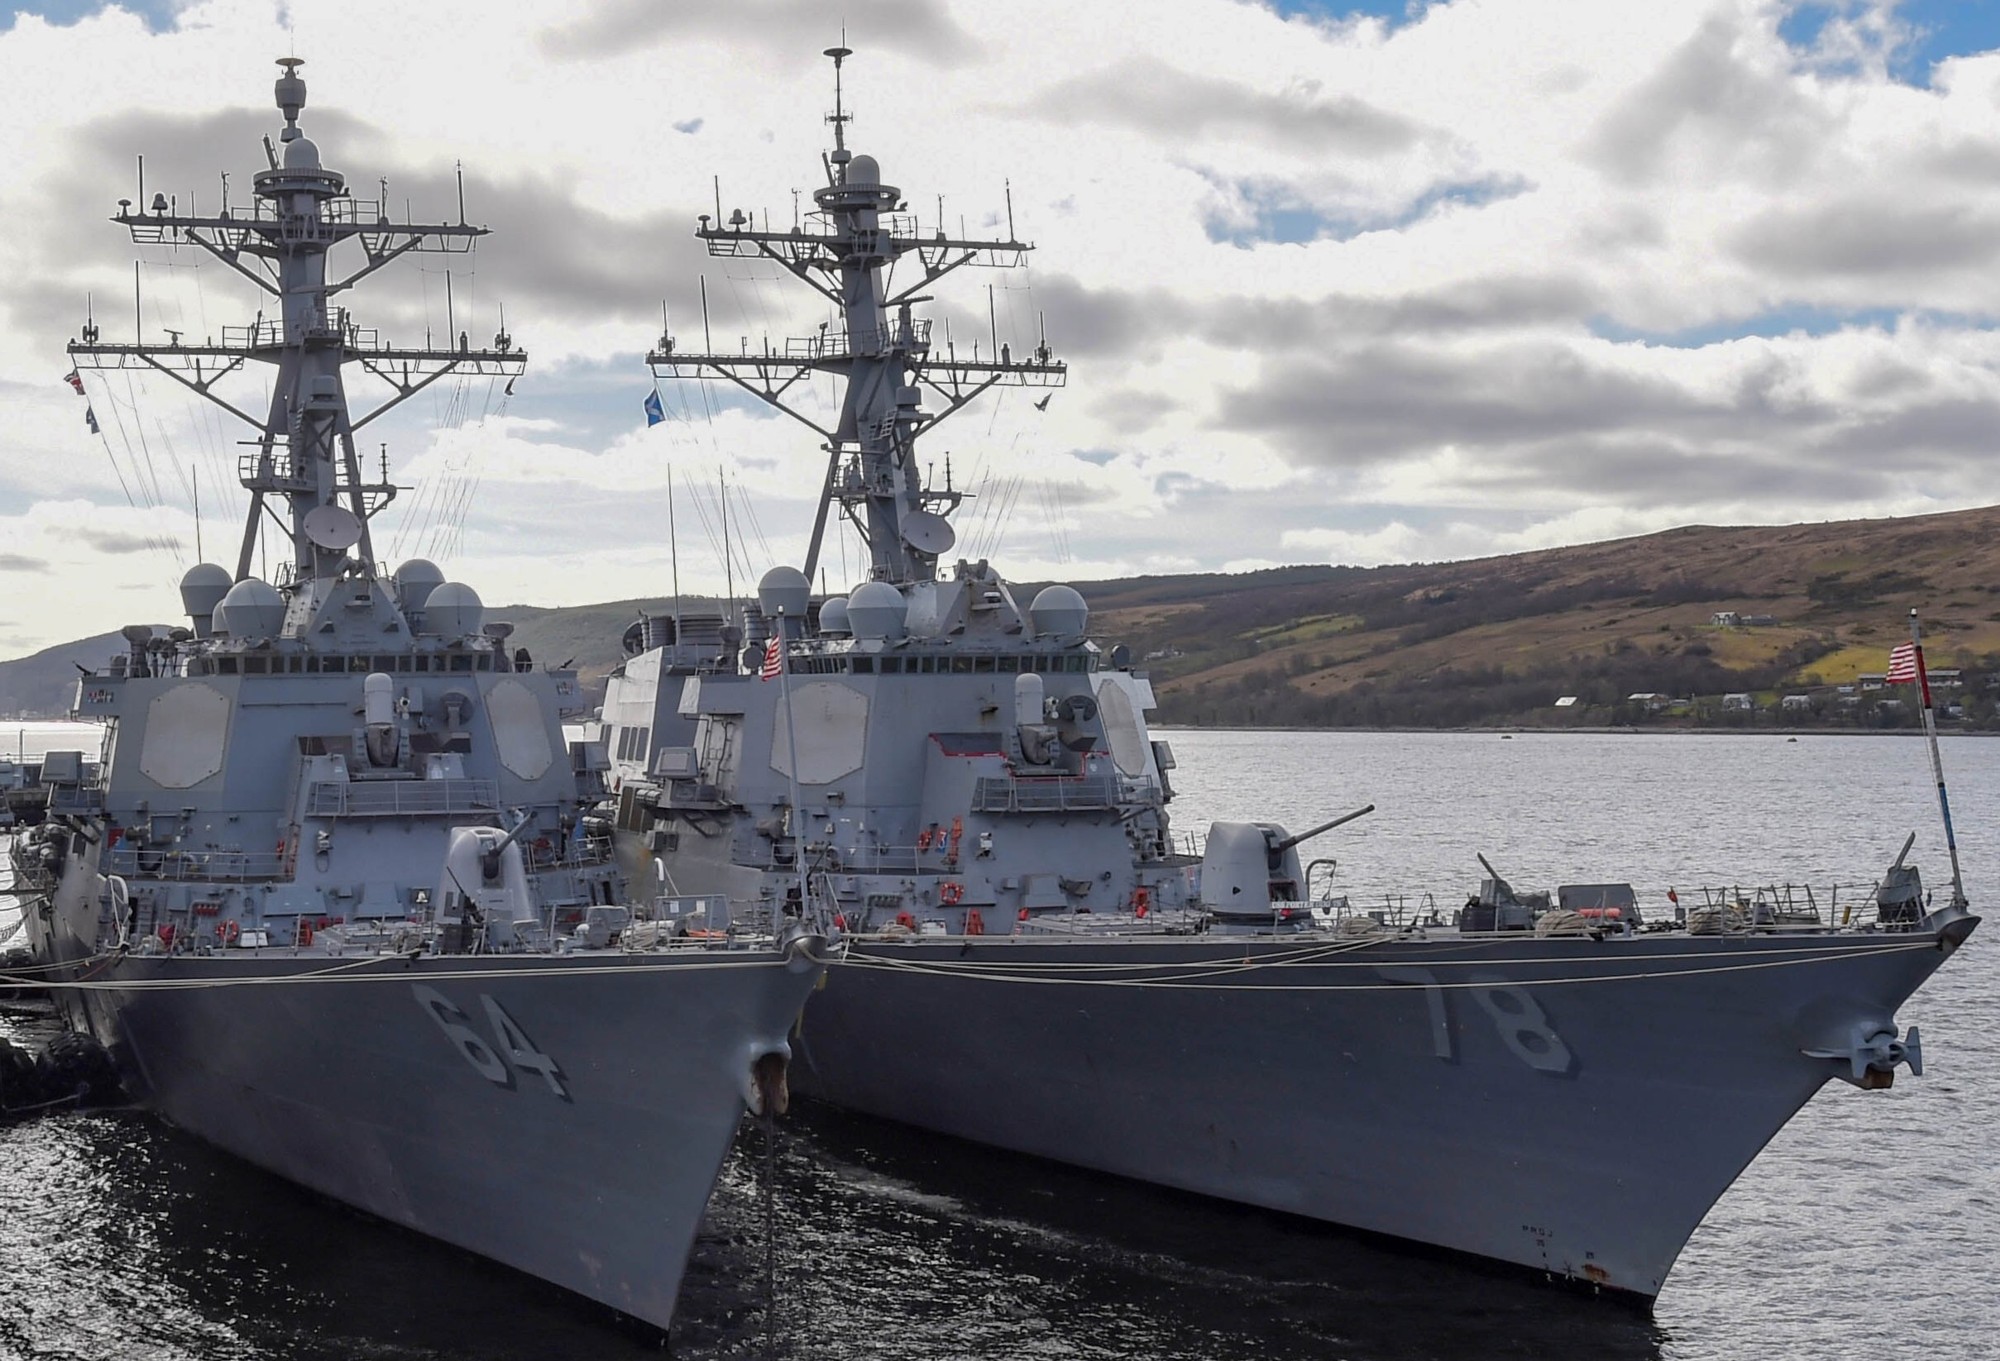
<point>1352,283</point>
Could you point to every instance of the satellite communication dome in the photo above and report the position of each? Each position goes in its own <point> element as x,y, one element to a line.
<point>454,611</point>
<point>864,169</point>
<point>833,617</point>
<point>202,589</point>
<point>301,154</point>
<point>415,580</point>
<point>1059,612</point>
<point>876,610</point>
<point>784,590</point>
<point>255,609</point>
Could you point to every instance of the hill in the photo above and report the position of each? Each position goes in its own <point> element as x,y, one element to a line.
<point>1500,639</point>
<point>42,685</point>
<point>1489,641</point>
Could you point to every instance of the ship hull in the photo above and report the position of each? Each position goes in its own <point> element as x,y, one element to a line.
<point>565,1115</point>
<point>1571,1106</point>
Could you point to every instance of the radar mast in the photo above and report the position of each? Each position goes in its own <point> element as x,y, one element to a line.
<point>303,468</point>
<point>847,251</point>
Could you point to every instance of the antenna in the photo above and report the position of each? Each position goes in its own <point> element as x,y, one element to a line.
<point>839,117</point>
<point>728,563</point>
<point>459,166</point>
<point>194,471</point>
<point>1007,187</point>
<point>674,551</point>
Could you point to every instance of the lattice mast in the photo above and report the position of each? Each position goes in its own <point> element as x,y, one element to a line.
<point>847,251</point>
<point>304,454</point>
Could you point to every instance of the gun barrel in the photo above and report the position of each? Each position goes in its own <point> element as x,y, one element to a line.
<point>1312,832</point>
<point>1908,842</point>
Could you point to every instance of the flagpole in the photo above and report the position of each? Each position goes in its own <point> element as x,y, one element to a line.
<point>1937,761</point>
<point>792,765</point>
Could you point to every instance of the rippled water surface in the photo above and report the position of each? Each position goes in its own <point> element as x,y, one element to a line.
<point>1869,1229</point>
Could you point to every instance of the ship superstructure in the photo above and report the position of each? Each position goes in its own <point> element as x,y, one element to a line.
<point>334,901</point>
<point>969,781</point>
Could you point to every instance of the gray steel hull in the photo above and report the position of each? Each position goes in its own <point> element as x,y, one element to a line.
<point>356,1085</point>
<point>1567,1105</point>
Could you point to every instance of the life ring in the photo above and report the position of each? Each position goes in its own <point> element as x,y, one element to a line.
<point>950,892</point>
<point>227,931</point>
<point>975,925</point>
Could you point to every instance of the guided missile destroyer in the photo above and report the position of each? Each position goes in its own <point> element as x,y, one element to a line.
<point>334,903</point>
<point>969,781</point>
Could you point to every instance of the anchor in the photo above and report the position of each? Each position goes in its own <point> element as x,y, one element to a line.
<point>1873,1054</point>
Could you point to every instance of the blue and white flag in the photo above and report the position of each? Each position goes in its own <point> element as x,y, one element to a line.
<point>654,413</point>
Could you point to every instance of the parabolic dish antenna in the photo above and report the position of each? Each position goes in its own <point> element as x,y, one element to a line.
<point>333,528</point>
<point>928,532</point>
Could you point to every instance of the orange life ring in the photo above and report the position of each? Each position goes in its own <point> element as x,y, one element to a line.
<point>975,925</point>
<point>227,931</point>
<point>951,891</point>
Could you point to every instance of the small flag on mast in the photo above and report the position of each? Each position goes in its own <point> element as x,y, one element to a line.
<point>1902,665</point>
<point>75,380</point>
<point>90,418</point>
<point>654,412</point>
<point>774,658</point>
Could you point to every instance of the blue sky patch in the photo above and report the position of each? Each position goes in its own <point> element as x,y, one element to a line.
<point>1279,215</point>
<point>1940,29</point>
<point>157,14</point>
<point>1393,13</point>
<point>1782,321</point>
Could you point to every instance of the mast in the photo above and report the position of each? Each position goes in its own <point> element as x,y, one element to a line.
<point>846,251</point>
<point>1958,899</point>
<point>303,470</point>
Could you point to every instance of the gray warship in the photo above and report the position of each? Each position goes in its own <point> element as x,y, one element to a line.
<point>334,903</point>
<point>968,781</point>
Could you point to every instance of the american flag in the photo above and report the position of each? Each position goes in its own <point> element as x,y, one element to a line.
<point>774,659</point>
<point>1903,665</point>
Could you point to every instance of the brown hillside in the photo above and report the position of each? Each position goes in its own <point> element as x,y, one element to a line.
<point>1602,620</point>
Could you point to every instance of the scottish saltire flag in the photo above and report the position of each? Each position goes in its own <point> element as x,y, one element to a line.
<point>90,418</point>
<point>654,412</point>
<point>774,658</point>
<point>75,380</point>
<point>1903,665</point>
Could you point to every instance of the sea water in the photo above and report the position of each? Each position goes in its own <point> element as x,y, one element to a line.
<point>1870,1228</point>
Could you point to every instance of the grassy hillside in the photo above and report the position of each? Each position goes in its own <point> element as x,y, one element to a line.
<point>1499,639</point>
<point>1496,640</point>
